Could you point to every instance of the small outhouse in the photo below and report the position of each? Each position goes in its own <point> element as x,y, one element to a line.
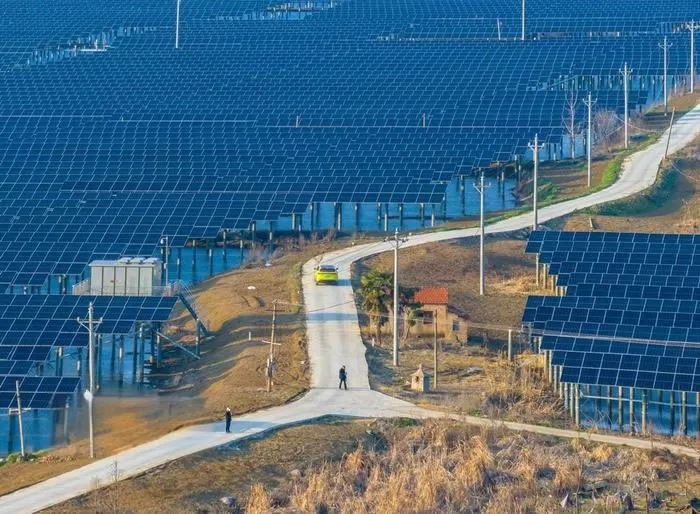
<point>420,381</point>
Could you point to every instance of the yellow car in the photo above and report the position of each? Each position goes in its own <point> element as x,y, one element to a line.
<point>325,274</point>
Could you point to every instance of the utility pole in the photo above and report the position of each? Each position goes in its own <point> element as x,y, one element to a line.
<point>665,46</point>
<point>589,138</point>
<point>164,243</point>
<point>670,129</point>
<point>91,324</point>
<point>522,35</point>
<point>692,26</point>
<point>535,147</point>
<point>177,25</point>
<point>481,188</point>
<point>271,357</point>
<point>19,417</point>
<point>396,241</point>
<point>435,348</point>
<point>626,71</point>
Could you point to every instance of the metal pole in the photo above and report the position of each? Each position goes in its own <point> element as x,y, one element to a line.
<point>481,188</point>
<point>272,342</point>
<point>692,56</point>
<point>670,129</point>
<point>435,347</point>
<point>626,73</point>
<point>589,138</point>
<point>522,27</point>
<point>396,298</point>
<point>19,417</point>
<point>665,46</point>
<point>536,158</point>
<point>177,26</point>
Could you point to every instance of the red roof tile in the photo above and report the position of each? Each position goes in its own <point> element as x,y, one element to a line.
<point>432,296</point>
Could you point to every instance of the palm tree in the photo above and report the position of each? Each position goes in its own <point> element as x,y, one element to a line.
<point>376,289</point>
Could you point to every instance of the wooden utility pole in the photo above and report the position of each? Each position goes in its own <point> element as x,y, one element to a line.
<point>435,348</point>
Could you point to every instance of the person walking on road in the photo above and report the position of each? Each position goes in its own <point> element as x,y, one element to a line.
<point>343,376</point>
<point>228,420</point>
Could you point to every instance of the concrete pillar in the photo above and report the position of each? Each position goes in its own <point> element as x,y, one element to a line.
<point>462,196</point>
<point>210,249</point>
<point>555,378</point>
<point>537,269</point>
<point>112,356</point>
<point>379,214</point>
<point>577,405</point>
<point>339,216</point>
<point>153,345</point>
<point>684,412</point>
<point>598,400</point>
<point>59,361</point>
<point>561,384</point>
<point>178,262</point>
<point>421,213</point>
<point>253,228</point>
<point>631,390</point>
<point>159,348</point>
<point>644,411</point>
<point>135,358</point>
<point>386,219</point>
<point>224,244</point>
<point>357,217</point>
<point>566,395</point>
<point>294,222</point>
<point>142,352</point>
<point>510,345</point>
<point>242,248</point>
<point>672,411</point>
<point>313,212</point>
<point>432,216</point>
<point>572,400</point>
<point>198,337</point>
<point>400,216</point>
<point>608,395</point>
<point>98,364</point>
<point>120,366</point>
<point>620,408</point>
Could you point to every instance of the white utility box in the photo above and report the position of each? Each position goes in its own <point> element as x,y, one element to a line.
<point>132,276</point>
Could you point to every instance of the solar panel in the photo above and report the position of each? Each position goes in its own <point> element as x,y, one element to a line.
<point>36,392</point>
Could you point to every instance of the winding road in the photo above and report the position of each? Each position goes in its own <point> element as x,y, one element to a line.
<point>334,340</point>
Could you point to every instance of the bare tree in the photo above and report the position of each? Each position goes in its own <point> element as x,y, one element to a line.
<point>605,123</point>
<point>569,120</point>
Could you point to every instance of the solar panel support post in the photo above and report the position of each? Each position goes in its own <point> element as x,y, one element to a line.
<point>177,25</point>
<point>684,412</point>
<point>198,337</point>
<point>253,228</point>
<point>672,411</point>
<point>626,71</point>
<point>242,249</point>
<point>644,411</point>
<point>481,188</point>
<point>135,356</point>
<point>159,346</point>
<point>120,363</point>
<point>522,23</point>
<point>210,251</point>
<point>608,395</point>
<point>178,263</point>
<point>98,358</point>
<point>537,269</point>
<point>224,244</point>
<point>400,216</point>
<point>91,325</point>
<point>535,147</point>
<point>66,410</point>
<point>19,418</point>
<point>59,361</point>
<point>665,46</point>
<point>589,136</point>
<point>577,405</point>
<point>432,215</point>
<point>357,217</point>
<point>142,352</point>
<point>620,408</point>
<point>631,390</point>
<point>421,213</point>
<point>566,396</point>
<point>692,26</point>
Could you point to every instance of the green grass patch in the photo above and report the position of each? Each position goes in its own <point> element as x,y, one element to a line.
<point>644,202</point>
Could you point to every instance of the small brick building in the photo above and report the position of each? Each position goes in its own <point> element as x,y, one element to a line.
<point>452,324</point>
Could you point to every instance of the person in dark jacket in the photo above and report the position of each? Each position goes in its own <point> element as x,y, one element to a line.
<point>343,378</point>
<point>228,420</point>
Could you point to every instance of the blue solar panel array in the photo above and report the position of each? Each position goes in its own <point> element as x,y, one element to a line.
<point>631,314</point>
<point>110,138</point>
